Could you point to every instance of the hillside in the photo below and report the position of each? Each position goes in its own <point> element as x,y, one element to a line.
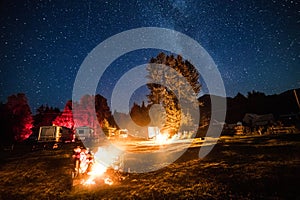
<point>255,102</point>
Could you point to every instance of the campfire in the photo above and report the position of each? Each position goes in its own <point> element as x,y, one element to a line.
<point>106,163</point>
<point>98,170</point>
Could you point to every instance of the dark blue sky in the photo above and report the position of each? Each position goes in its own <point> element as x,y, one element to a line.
<point>255,44</point>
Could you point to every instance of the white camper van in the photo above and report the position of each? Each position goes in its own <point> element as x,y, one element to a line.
<point>55,134</point>
<point>84,132</point>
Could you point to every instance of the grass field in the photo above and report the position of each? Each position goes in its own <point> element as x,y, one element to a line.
<point>252,167</point>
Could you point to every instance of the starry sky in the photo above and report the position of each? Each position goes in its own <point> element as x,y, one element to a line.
<point>255,44</point>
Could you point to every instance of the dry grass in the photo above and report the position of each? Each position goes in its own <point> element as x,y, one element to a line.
<point>36,175</point>
<point>237,168</point>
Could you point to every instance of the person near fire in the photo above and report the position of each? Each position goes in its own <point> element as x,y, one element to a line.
<point>83,160</point>
<point>90,159</point>
<point>76,158</point>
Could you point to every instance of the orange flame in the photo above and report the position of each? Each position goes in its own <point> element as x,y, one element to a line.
<point>104,157</point>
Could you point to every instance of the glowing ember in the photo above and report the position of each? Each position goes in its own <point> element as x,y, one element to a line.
<point>90,181</point>
<point>97,170</point>
<point>108,181</point>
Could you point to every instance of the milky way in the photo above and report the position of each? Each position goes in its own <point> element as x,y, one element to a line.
<point>255,44</point>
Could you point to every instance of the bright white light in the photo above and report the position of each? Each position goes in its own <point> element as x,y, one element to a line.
<point>104,158</point>
<point>90,181</point>
<point>108,181</point>
<point>162,139</point>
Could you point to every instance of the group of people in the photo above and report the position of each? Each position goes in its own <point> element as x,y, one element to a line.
<point>83,160</point>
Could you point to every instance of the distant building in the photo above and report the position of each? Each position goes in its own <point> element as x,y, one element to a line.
<point>258,120</point>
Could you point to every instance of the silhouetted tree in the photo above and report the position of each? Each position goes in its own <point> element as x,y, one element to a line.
<point>236,108</point>
<point>103,111</point>
<point>140,114</point>
<point>44,116</point>
<point>85,112</point>
<point>17,119</point>
<point>66,117</point>
<point>93,111</point>
<point>6,124</point>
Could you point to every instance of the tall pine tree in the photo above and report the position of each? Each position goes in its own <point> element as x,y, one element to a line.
<point>170,80</point>
<point>66,117</point>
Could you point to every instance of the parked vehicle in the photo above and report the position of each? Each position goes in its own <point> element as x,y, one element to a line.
<point>84,133</point>
<point>54,136</point>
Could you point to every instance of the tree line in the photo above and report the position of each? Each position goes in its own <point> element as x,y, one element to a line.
<point>18,123</point>
<point>167,78</point>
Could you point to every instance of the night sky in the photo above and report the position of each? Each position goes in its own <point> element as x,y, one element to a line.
<point>255,44</point>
